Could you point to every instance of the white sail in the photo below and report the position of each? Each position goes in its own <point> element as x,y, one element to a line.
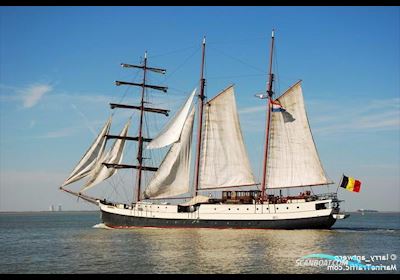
<point>114,156</point>
<point>172,177</point>
<point>85,165</point>
<point>171,133</point>
<point>292,156</point>
<point>224,161</point>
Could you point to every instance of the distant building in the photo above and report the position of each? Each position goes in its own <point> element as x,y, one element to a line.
<point>51,208</point>
<point>59,207</point>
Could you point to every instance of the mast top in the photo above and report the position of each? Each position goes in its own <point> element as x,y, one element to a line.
<point>145,54</point>
<point>204,40</point>
<point>273,33</point>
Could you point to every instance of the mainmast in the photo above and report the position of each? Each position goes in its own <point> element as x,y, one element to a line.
<point>140,167</point>
<point>200,124</point>
<point>268,120</point>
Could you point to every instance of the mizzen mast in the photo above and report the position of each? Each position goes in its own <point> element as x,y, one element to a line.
<point>268,120</point>
<point>200,124</point>
<point>140,167</point>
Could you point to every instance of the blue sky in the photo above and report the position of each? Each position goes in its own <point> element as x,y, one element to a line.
<point>58,65</point>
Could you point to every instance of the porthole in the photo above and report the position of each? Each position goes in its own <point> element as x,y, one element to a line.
<point>257,208</point>
<point>298,207</point>
<point>229,208</point>
<point>277,208</point>
<point>215,209</point>
<point>247,209</point>
<point>287,207</point>
<point>237,208</point>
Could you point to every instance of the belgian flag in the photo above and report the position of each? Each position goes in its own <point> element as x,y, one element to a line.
<point>350,184</point>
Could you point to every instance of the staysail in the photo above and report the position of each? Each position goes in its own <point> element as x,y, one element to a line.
<point>293,159</point>
<point>171,133</point>
<point>224,161</point>
<point>87,162</point>
<point>172,177</point>
<point>114,156</point>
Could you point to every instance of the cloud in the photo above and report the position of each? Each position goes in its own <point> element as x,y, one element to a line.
<point>32,123</point>
<point>87,123</point>
<point>32,95</point>
<point>373,115</point>
<point>64,132</point>
<point>255,109</point>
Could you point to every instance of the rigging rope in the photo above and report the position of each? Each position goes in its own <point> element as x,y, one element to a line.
<point>239,60</point>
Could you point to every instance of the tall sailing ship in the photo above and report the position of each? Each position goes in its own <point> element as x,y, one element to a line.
<point>290,160</point>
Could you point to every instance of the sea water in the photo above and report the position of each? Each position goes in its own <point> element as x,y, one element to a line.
<point>77,242</point>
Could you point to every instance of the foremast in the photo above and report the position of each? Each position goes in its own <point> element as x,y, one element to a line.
<point>142,108</point>
<point>268,120</point>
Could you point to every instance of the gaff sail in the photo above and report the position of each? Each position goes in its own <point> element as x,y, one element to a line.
<point>224,160</point>
<point>293,159</point>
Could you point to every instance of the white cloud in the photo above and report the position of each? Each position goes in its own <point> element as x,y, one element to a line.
<point>249,110</point>
<point>375,115</point>
<point>64,132</point>
<point>32,123</point>
<point>32,95</point>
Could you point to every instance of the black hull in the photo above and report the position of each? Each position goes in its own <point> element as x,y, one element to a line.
<point>122,221</point>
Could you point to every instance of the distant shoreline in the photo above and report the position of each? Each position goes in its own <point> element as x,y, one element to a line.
<point>75,211</point>
<point>46,211</point>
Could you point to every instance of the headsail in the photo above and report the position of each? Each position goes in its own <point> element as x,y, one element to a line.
<point>224,161</point>
<point>172,177</point>
<point>100,171</point>
<point>171,133</point>
<point>87,162</point>
<point>292,158</point>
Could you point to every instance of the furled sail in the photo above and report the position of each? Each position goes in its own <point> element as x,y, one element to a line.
<point>292,155</point>
<point>224,161</point>
<point>85,165</point>
<point>172,177</point>
<point>171,133</point>
<point>114,156</point>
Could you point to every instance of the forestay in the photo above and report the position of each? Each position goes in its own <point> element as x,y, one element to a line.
<point>171,133</point>
<point>172,177</point>
<point>87,162</point>
<point>224,161</point>
<point>114,156</point>
<point>292,155</point>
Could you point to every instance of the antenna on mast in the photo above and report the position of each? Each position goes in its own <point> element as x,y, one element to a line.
<point>200,126</point>
<point>269,102</point>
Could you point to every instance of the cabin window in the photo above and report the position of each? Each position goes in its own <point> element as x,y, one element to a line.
<point>320,206</point>
<point>215,209</point>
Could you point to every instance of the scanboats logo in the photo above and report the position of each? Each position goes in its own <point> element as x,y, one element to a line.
<point>350,262</point>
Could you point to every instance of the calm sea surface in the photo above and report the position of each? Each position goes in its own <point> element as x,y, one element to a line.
<point>76,242</point>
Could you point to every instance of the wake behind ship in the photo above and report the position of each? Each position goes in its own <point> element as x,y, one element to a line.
<point>290,160</point>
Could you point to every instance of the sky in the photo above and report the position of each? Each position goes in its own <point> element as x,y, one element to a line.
<point>58,66</point>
